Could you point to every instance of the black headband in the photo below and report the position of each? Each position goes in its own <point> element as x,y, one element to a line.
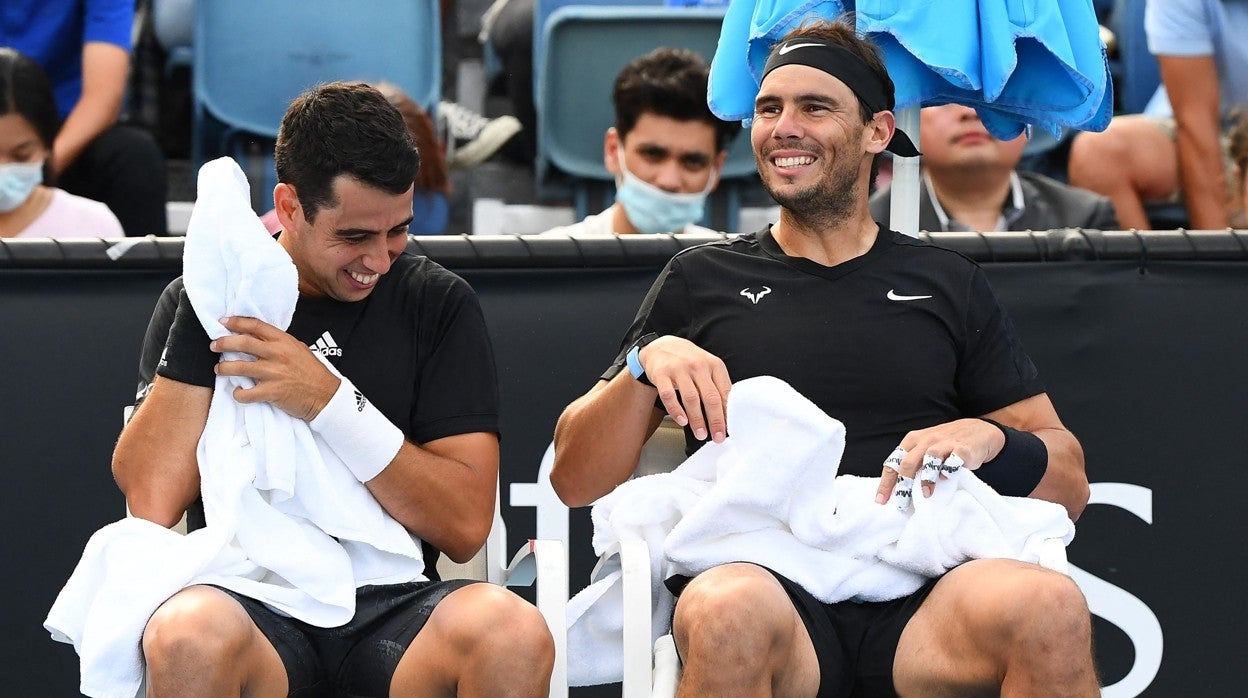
<point>846,66</point>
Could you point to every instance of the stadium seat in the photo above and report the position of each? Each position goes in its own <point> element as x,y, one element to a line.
<point>1138,76</point>
<point>252,58</point>
<point>543,9</point>
<point>583,48</point>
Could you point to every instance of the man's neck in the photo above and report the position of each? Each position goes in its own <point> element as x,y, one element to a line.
<point>828,244</point>
<point>975,198</point>
<point>619,220</point>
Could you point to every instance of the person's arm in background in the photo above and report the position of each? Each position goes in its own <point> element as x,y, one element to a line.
<point>104,70</point>
<point>1183,36</point>
<point>1195,96</point>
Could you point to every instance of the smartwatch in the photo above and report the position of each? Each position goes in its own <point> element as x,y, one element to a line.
<point>633,359</point>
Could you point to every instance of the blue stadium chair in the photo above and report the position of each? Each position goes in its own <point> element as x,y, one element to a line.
<point>584,48</point>
<point>173,22</point>
<point>1138,76</point>
<point>543,9</point>
<point>252,58</point>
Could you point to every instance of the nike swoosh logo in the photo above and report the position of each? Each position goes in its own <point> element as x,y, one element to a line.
<point>789,47</point>
<point>892,296</point>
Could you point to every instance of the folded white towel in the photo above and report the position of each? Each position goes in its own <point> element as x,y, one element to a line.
<point>287,522</point>
<point>769,494</point>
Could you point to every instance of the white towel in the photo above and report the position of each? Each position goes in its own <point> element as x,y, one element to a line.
<point>769,494</point>
<point>287,522</point>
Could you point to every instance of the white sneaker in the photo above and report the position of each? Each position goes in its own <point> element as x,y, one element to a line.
<point>471,138</point>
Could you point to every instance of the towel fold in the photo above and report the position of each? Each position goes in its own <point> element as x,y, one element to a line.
<point>769,494</point>
<point>287,522</point>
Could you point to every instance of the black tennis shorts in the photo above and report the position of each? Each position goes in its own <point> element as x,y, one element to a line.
<point>854,642</point>
<point>358,659</point>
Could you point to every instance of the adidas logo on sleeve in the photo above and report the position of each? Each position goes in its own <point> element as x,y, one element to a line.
<point>326,346</point>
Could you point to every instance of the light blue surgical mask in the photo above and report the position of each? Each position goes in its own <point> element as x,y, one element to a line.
<point>17,181</point>
<point>654,210</point>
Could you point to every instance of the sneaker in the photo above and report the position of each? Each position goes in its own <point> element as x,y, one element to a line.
<point>471,138</point>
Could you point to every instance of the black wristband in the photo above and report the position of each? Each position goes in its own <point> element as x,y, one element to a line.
<point>1020,465</point>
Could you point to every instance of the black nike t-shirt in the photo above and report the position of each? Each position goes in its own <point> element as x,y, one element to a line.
<point>904,337</point>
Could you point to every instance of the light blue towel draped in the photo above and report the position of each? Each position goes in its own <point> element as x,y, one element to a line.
<point>1017,62</point>
<point>745,38</point>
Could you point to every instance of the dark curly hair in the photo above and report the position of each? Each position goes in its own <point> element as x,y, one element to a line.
<point>668,82</point>
<point>343,128</point>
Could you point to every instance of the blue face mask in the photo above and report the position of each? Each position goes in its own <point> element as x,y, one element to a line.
<point>17,181</point>
<point>653,210</point>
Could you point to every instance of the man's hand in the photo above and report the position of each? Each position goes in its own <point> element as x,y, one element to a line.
<point>692,383</point>
<point>287,374</point>
<point>925,453</point>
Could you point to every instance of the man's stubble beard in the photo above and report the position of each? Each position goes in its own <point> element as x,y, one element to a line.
<point>827,203</point>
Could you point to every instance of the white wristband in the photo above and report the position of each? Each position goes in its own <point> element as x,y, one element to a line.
<point>357,432</point>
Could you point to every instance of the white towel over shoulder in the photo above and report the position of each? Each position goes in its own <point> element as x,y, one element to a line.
<point>287,522</point>
<point>770,494</point>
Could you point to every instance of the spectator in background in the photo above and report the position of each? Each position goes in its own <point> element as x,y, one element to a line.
<point>666,149</point>
<point>468,138</point>
<point>507,33</point>
<point>1140,159</point>
<point>430,198</point>
<point>28,126</point>
<point>1239,154</point>
<point>970,183</point>
<point>84,47</point>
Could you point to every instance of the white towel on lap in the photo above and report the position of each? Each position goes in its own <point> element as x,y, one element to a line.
<point>769,494</point>
<point>287,522</point>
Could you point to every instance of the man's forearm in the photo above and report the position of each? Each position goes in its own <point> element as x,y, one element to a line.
<point>444,491</point>
<point>1065,481</point>
<point>599,437</point>
<point>103,87</point>
<point>1203,177</point>
<point>1195,94</point>
<point>154,462</point>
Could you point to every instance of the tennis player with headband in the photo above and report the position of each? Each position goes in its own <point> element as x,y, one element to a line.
<point>902,341</point>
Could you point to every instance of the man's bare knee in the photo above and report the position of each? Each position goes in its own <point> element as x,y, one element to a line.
<point>1133,153</point>
<point>202,642</point>
<point>732,607</point>
<point>491,619</point>
<point>1056,613</point>
<point>494,644</point>
<point>196,625</point>
<point>739,634</point>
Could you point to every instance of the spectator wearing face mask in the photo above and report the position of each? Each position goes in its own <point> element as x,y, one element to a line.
<point>28,127</point>
<point>84,47</point>
<point>666,149</point>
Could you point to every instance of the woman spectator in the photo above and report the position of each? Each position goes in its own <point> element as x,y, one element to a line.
<point>28,126</point>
